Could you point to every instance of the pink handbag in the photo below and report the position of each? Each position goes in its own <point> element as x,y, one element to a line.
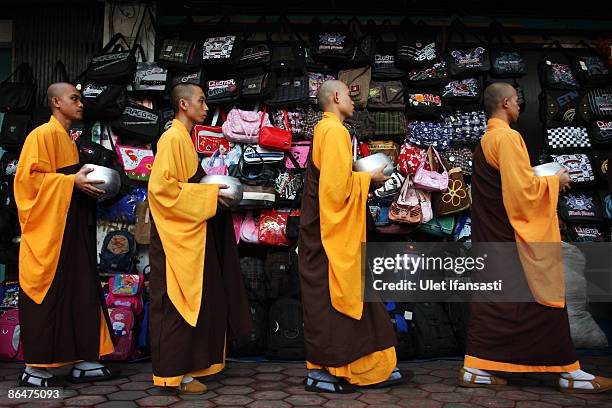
<point>426,209</point>
<point>249,231</point>
<point>428,177</point>
<point>210,168</point>
<point>299,151</point>
<point>243,126</point>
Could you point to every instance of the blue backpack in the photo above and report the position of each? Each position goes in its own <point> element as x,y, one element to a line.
<point>118,253</point>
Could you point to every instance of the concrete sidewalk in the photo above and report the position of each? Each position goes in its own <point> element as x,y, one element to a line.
<point>274,385</point>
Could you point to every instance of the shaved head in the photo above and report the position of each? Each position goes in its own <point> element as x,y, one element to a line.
<point>182,91</point>
<point>60,89</point>
<point>495,94</point>
<point>327,91</point>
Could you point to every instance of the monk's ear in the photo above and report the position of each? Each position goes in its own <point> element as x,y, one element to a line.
<point>55,102</point>
<point>183,104</point>
<point>337,97</point>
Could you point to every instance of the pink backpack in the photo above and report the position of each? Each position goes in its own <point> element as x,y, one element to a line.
<point>122,321</point>
<point>243,126</point>
<point>11,348</point>
<point>125,292</point>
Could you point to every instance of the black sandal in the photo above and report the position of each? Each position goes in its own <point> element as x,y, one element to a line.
<point>51,382</point>
<point>340,387</point>
<point>391,383</point>
<point>109,374</point>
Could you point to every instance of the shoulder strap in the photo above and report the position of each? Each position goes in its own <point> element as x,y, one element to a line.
<point>115,40</point>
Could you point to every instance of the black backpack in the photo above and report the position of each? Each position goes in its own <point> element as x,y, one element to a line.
<point>417,48</point>
<point>253,343</point>
<point>254,277</point>
<point>333,44</point>
<point>18,97</point>
<point>103,101</point>
<point>286,330</point>
<point>15,129</point>
<point>281,268</point>
<point>118,253</point>
<point>138,122</point>
<point>400,317</point>
<point>433,331</point>
<point>290,91</point>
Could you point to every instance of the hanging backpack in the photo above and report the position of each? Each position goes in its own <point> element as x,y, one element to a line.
<point>118,253</point>
<point>290,91</point>
<point>600,103</point>
<point>417,47</point>
<point>222,49</point>
<point>601,131</point>
<point>125,291</point>
<point>467,61</point>
<point>18,97</point>
<point>386,65</point>
<point>334,43</point>
<point>433,331</point>
<point>122,325</point>
<point>581,207</point>
<point>224,91</point>
<point>138,122</point>
<point>433,76</point>
<point>15,129</point>
<point>590,69</point>
<point>286,330</point>
<point>115,64</point>
<point>289,55</point>
<point>556,71</point>
<point>564,108</point>
<point>103,101</point>
<point>256,54</point>
<point>358,82</point>
<point>387,95</point>
<point>11,347</point>
<point>506,59</point>
<point>255,278</point>
<point>463,91</point>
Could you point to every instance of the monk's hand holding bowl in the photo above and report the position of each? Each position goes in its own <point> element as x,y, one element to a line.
<point>564,180</point>
<point>377,175</point>
<point>86,185</point>
<point>224,197</point>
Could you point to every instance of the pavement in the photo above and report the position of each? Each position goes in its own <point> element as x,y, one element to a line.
<point>279,385</point>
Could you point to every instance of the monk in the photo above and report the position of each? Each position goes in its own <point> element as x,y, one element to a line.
<point>62,312</point>
<point>196,287</point>
<point>510,204</point>
<point>348,342</point>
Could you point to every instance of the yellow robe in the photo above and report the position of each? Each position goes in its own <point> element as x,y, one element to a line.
<point>531,205</point>
<point>39,192</point>
<point>343,194</point>
<point>180,210</point>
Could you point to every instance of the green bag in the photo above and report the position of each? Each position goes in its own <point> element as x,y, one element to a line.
<point>439,226</point>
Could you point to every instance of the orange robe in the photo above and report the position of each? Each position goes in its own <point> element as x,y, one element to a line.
<point>43,196</point>
<point>531,206</point>
<point>343,194</point>
<point>180,210</point>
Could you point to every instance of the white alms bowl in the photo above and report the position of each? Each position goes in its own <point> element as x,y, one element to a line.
<point>371,163</point>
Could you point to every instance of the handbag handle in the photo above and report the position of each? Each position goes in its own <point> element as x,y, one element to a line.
<point>287,27</point>
<point>25,74</point>
<point>286,116</point>
<point>115,41</point>
<point>216,154</point>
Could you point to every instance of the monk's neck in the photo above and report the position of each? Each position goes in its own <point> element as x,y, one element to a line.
<point>501,116</point>
<point>336,112</point>
<point>188,123</point>
<point>65,122</point>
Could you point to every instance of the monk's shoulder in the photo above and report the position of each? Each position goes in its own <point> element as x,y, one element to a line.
<point>330,127</point>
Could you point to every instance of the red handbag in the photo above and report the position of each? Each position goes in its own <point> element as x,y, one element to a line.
<point>208,139</point>
<point>410,157</point>
<point>273,226</point>
<point>273,137</point>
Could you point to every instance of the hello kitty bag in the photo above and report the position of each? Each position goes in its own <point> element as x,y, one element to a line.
<point>137,162</point>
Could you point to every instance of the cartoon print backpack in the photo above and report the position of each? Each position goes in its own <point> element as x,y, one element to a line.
<point>122,322</point>
<point>11,348</point>
<point>125,292</point>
